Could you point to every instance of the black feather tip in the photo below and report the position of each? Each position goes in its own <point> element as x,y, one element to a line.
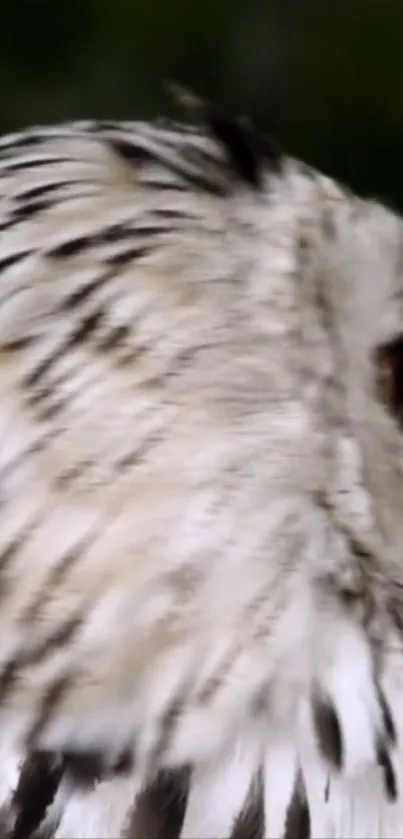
<point>389,775</point>
<point>328,731</point>
<point>297,824</point>
<point>39,780</point>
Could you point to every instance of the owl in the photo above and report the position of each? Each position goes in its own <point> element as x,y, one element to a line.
<point>201,488</point>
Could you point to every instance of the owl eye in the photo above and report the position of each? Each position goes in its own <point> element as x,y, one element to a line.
<point>389,368</point>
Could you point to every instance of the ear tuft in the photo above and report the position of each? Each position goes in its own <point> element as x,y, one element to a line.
<point>248,152</point>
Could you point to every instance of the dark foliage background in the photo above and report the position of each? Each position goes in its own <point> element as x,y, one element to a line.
<point>324,76</point>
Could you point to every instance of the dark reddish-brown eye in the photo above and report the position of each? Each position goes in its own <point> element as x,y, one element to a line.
<point>389,367</point>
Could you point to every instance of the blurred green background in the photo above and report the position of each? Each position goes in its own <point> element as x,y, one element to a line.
<point>324,76</point>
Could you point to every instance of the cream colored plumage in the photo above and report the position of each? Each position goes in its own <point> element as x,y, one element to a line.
<point>201,490</point>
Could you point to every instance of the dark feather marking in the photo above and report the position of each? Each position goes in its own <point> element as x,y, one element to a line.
<point>32,379</point>
<point>130,151</point>
<point>42,401</point>
<point>159,810</point>
<point>31,208</point>
<point>389,777</point>
<point>55,578</point>
<point>397,617</point>
<point>298,821</point>
<point>19,166</point>
<point>110,235</point>
<point>202,182</point>
<point>175,368</point>
<point>62,481</point>
<point>250,821</point>
<point>47,708</point>
<point>50,411</point>
<point>71,247</point>
<point>57,639</point>
<point>118,233</point>
<point>6,225</point>
<point>35,398</point>
<point>114,339</point>
<point>171,213</point>
<point>133,154</point>
<point>162,186</point>
<point>327,730</point>
<point>12,669</point>
<point>167,726</point>
<point>9,552</point>
<point>86,328</point>
<point>119,260</point>
<point>129,357</point>
<point>76,298</point>
<point>40,191</point>
<point>182,361</point>
<point>115,233</point>
<point>18,344</point>
<point>37,785</point>
<point>15,462</point>
<point>13,259</point>
<point>22,140</point>
<point>217,679</point>
<point>8,676</point>
<point>137,455</point>
<point>387,717</point>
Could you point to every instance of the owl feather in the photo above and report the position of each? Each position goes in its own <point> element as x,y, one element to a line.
<point>201,485</point>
